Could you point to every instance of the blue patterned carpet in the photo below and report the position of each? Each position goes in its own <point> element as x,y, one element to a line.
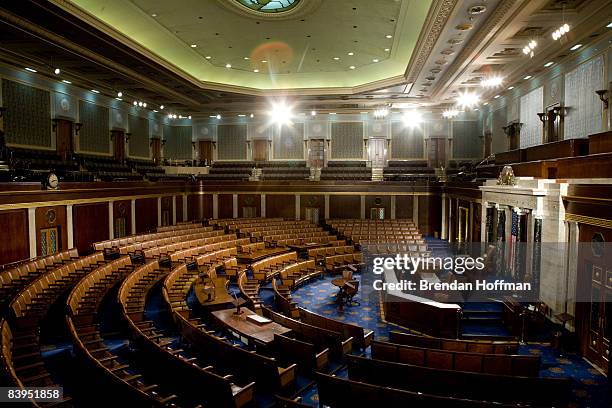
<point>590,388</point>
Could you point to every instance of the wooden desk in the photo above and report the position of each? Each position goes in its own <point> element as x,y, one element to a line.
<point>239,323</point>
<point>339,282</point>
<point>259,255</point>
<point>302,249</point>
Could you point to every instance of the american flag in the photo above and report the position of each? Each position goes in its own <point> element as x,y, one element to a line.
<point>512,250</point>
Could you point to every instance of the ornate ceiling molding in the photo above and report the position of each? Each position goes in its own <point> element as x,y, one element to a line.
<point>301,9</point>
<point>437,19</point>
<point>479,40</point>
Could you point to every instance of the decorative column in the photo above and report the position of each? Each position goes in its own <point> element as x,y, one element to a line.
<point>536,259</point>
<point>393,204</point>
<point>415,210</point>
<point>215,205</point>
<point>173,210</point>
<point>69,226</point>
<point>133,217</point>
<point>468,233</point>
<point>234,205</point>
<point>263,206</point>
<point>444,233</point>
<point>185,215</point>
<point>32,231</point>
<point>111,221</point>
<point>362,207</point>
<point>326,206</point>
<point>298,209</point>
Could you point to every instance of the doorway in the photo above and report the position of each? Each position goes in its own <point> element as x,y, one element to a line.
<point>206,152</point>
<point>463,224</point>
<point>437,152</point>
<point>316,153</point>
<point>119,144</point>
<point>378,152</point>
<point>594,286</point>
<point>260,150</point>
<point>63,138</point>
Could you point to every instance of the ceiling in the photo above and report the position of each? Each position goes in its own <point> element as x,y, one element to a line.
<point>317,44</point>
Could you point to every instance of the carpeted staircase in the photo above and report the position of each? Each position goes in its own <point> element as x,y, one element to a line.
<point>483,320</point>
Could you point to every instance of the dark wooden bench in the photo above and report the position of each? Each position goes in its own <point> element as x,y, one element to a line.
<point>342,393</point>
<point>304,354</point>
<point>477,386</point>
<point>361,337</point>
<point>505,364</point>
<point>470,346</point>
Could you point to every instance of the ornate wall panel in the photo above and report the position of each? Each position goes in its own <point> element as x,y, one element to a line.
<point>467,140</point>
<point>139,138</point>
<point>347,140</point>
<point>406,142</point>
<point>259,131</point>
<point>378,128</point>
<point>118,119</point>
<point>585,109</point>
<point>317,130</point>
<point>94,135</point>
<point>27,120</point>
<point>65,106</point>
<point>531,129</point>
<point>231,142</point>
<point>288,142</point>
<point>178,142</point>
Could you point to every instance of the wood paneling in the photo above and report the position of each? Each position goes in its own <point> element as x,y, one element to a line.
<point>50,217</point>
<point>249,200</point>
<point>430,208</point>
<point>312,201</point>
<point>403,207</point>
<point>14,236</point>
<point>554,150</point>
<point>280,205</point>
<point>90,223</point>
<point>199,206</point>
<point>179,208</point>
<point>344,206</point>
<point>378,202</point>
<point>146,215</point>
<point>600,143</point>
<point>226,206</point>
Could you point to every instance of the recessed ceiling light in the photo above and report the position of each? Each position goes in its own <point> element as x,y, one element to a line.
<point>486,103</point>
<point>252,115</point>
<point>66,81</point>
<point>527,77</point>
<point>496,96</point>
<point>388,36</point>
<point>336,58</point>
<point>246,58</point>
<point>189,117</point>
<point>255,70</point>
<point>154,110</point>
<point>548,64</point>
<point>153,15</point>
<point>57,71</point>
<point>264,61</point>
<point>119,99</point>
<point>387,49</point>
<point>575,47</point>
<point>208,57</point>
<point>609,25</point>
<point>194,45</point>
<point>352,67</point>
<point>510,88</point>
<point>30,69</point>
<point>218,116</point>
<point>161,107</point>
<point>241,115</point>
<point>375,60</point>
<point>119,94</point>
<point>332,113</point>
<point>228,65</point>
<point>351,53</point>
<point>313,113</point>
<point>95,91</point>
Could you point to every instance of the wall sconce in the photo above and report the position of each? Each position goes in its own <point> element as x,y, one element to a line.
<point>127,137</point>
<point>603,96</point>
<point>54,124</point>
<point>77,127</point>
<point>2,109</point>
<point>193,144</point>
<point>163,142</point>
<point>543,117</point>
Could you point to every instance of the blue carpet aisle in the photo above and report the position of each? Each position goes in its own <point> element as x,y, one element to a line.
<point>590,387</point>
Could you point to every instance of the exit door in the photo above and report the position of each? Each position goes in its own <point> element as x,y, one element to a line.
<point>378,152</point>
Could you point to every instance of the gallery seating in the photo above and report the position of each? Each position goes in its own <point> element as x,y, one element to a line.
<point>267,268</point>
<point>117,243</point>
<point>339,262</point>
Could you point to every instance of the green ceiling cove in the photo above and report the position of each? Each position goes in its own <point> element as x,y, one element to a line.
<point>308,52</point>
